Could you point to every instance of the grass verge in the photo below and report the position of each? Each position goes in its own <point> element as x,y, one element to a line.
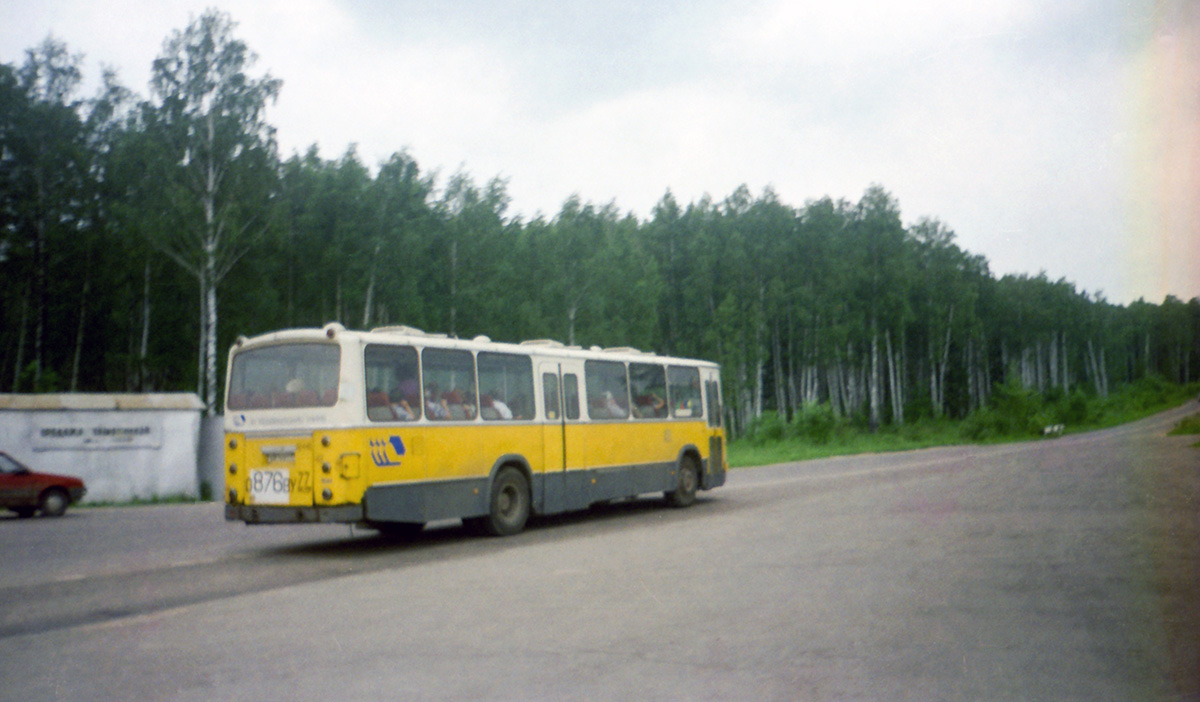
<point>1015,415</point>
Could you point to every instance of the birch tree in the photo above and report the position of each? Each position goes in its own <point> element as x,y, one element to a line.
<point>220,154</point>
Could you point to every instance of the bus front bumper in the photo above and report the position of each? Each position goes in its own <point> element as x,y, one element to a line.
<point>283,514</point>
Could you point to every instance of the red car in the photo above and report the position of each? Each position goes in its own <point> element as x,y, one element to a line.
<point>25,492</point>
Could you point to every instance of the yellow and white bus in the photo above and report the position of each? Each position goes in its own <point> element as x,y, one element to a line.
<point>395,428</point>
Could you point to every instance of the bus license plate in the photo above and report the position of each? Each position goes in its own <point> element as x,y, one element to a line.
<point>269,487</point>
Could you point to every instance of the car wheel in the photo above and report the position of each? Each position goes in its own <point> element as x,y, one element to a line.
<point>54,503</point>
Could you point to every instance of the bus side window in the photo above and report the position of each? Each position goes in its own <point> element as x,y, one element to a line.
<point>505,386</point>
<point>449,377</point>
<point>607,389</point>
<point>571,395</point>
<point>685,391</point>
<point>648,385</point>
<point>550,390</point>
<point>393,389</point>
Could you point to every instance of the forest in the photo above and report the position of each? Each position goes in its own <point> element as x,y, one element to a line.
<point>140,235</point>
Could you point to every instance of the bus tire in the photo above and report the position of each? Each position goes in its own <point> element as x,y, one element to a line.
<point>508,506</point>
<point>684,493</point>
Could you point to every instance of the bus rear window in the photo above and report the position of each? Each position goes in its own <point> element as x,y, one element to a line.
<point>285,376</point>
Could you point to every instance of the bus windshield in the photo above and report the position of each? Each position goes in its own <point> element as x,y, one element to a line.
<point>287,375</point>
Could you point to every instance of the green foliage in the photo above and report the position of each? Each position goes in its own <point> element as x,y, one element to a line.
<point>817,423</point>
<point>846,439</point>
<point>1014,411</point>
<point>1187,425</point>
<point>767,428</point>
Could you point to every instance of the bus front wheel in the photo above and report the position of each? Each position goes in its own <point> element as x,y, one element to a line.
<point>684,493</point>
<point>508,507</point>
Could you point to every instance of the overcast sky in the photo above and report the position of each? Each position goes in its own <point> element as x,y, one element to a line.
<point>1055,136</point>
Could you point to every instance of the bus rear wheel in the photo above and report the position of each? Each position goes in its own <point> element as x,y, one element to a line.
<point>684,493</point>
<point>508,506</point>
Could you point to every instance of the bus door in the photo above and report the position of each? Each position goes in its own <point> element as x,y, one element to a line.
<point>715,473</point>
<point>562,436</point>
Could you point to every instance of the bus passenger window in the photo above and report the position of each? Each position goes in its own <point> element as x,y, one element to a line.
<point>393,389</point>
<point>607,390</point>
<point>506,386</point>
<point>648,385</point>
<point>449,384</point>
<point>685,391</point>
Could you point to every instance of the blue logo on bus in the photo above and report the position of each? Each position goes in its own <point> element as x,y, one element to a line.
<point>382,456</point>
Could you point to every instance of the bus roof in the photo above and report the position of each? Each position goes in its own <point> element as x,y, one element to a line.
<point>548,348</point>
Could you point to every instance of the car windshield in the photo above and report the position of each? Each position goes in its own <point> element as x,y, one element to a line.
<point>10,465</point>
<point>284,376</point>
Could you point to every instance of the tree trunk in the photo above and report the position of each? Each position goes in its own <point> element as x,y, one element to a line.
<point>210,333</point>
<point>454,287</point>
<point>371,287</point>
<point>795,387</point>
<point>200,340</point>
<point>20,360</point>
<point>1052,359</point>
<point>834,382</point>
<point>781,396</point>
<point>897,395</point>
<point>972,376</point>
<point>875,389</point>
<point>1066,369</point>
<point>1103,374</point>
<point>39,300</point>
<point>144,348</point>
<point>83,297</point>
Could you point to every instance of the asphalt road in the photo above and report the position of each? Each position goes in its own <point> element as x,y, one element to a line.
<point>1064,569</point>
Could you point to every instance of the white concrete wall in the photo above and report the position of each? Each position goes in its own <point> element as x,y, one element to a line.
<point>121,454</point>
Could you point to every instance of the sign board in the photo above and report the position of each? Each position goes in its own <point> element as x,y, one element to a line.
<point>51,431</point>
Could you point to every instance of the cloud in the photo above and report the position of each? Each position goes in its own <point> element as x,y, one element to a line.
<point>863,32</point>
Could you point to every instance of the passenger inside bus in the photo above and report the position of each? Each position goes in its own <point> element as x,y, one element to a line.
<point>405,399</point>
<point>492,407</point>
<point>460,405</point>
<point>611,405</point>
<point>401,406</point>
<point>435,404</point>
